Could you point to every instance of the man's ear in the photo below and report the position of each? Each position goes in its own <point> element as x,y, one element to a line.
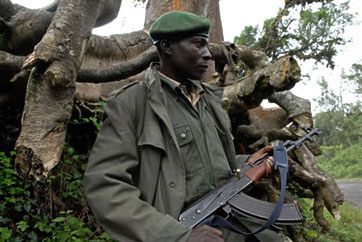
<point>166,46</point>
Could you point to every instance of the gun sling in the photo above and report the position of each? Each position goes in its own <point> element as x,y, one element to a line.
<point>244,205</point>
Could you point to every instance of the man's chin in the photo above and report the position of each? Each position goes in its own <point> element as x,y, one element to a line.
<point>197,77</point>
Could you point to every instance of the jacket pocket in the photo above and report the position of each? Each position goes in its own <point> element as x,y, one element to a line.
<point>189,151</point>
<point>183,134</point>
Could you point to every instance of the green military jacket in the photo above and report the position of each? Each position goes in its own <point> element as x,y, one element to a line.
<point>135,178</point>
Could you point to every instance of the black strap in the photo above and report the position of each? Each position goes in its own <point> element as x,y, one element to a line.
<point>221,222</point>
<point>281,163</point>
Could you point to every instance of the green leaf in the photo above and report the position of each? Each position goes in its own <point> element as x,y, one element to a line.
<point>33,236</point>
<point>312,233</point>
<point>22,225</point>
<point>5,233</point>
<point>59,219</point>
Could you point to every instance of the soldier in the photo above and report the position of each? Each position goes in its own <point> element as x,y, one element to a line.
<point>165,142</point>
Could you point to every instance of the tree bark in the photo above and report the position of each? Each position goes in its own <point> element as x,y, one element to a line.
<point>103,52</point>
<point>295,106</point>
<point>23,27</point>
<point>95,92</point>
<point>120,71</point>
<point>249,92</point>
<point>134,52</point>
<point>50,92</point>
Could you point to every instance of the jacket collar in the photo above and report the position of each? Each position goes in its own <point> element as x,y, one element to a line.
<point>157,98</point>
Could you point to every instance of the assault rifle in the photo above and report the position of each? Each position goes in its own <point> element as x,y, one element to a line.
<point>229,200</point>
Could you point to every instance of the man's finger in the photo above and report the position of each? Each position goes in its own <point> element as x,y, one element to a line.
<point>266,149</point>
<point>259,154</point>
<point>211,230</point>
<point>269,163</point>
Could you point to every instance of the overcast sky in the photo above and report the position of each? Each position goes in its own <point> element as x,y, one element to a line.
<point>235,14</point>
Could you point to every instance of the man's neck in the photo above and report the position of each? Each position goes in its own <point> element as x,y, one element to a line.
<point>173,76</point>
<point>192,89</point>
<point>185,82</point>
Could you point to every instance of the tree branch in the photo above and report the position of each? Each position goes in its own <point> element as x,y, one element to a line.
<point>120,71</point>
<point>11,62</point>
<point>248,93</point>
<point>52,7</point>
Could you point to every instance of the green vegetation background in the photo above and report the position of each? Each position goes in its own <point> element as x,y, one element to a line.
<point>55,209</point>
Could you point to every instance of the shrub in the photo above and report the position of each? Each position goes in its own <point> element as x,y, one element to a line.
<point>53,209</point>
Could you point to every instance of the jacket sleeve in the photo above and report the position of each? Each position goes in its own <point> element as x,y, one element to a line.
<point>109,188</point>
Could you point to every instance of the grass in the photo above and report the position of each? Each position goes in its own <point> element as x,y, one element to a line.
<point>342,163</point>
<point>349,179</point>
<point>347,229</point>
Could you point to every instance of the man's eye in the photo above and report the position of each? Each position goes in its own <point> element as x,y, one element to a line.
<point>200,44</point>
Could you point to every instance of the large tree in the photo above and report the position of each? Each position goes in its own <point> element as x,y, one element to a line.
<point>51,68</point>
<point>48,59</point>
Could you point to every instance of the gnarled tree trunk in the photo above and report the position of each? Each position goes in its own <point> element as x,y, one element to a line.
<point>49,98</point>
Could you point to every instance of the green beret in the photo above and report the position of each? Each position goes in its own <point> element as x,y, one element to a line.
<point>177,25</point>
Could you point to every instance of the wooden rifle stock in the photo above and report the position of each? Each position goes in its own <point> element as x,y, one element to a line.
<point>258,171</point>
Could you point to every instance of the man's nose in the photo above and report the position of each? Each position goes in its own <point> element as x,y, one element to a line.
<point>206,55</point>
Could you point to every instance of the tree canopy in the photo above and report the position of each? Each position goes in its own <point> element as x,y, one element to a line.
<point>307,31</point>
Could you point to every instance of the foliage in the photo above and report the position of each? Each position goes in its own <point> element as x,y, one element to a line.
<point>341,126</point>
<point>139,2</point>
<point>355,76</point>
<point>340,123</point>
<point>84,125</point>
<point>342,162</point>
<point>347,229</point>
<point>93,117</point>
<point>311,31</point>
<point>247,36</point>
<point>53,209</point>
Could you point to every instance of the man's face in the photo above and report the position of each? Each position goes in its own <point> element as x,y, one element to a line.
<point>190,57</point>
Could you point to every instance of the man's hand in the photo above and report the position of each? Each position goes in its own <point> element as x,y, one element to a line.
<point>205,233</point>
<point>268,162</point>
<point>260,154</point>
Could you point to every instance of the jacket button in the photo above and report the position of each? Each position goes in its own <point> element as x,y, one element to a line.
<point>183,135</point>
<point>172,184</point>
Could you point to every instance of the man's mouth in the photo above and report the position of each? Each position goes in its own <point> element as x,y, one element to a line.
<point>203,67</point>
